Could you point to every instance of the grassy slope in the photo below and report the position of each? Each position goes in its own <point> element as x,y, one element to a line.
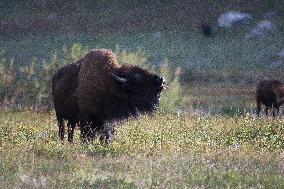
<point>159,152</point>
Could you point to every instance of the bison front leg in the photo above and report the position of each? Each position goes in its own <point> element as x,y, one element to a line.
<point>105,139</point>
<point>84,131</point>
<point>90,133</point>
<point>71,126</point>
<point>107,135</point>
<point>275,108</point>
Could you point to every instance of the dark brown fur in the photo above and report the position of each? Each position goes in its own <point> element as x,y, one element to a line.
<point>271,94</point>
<point>64,84</point>
<point>206,29</point>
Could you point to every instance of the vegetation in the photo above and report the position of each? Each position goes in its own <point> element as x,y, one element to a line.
<point>151,152</point>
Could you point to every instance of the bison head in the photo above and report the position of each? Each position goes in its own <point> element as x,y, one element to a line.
<point>143,88</point>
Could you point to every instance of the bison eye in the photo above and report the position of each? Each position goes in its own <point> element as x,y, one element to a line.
<point>137,77</point>
<point>159,79</point>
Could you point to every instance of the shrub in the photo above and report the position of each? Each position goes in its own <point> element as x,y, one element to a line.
<point>77,51</point>
<point>8,82</point>
<point>137,58</point>
<point>172,96</point>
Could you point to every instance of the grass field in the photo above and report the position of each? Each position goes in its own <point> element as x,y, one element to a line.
<point>161,151</point>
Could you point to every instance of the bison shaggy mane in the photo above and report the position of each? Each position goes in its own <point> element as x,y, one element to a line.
<point>270,93</point>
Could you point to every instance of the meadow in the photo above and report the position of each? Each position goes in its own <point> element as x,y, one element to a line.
<point>205,133</point>
<point>160,151</point>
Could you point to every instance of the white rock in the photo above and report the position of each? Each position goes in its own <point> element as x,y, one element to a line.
<point>270,15</point>
<point>231,18</point>
<point>276,64</point>
<point>281,53</point>
<point>263,28</point>
<point>40,3</point>
<point>157,35</point>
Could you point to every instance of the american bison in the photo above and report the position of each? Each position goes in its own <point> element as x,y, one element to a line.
<point>101,93</point>
<point>271,94</point>
<point>107,92</point>
<point>206,29</point>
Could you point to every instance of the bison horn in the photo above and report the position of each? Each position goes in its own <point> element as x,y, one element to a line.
<point>119,79</point>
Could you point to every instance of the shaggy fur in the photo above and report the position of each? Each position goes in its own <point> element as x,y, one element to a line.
<point>64,84</point>
<point>271,94</point>
<point>101,98</point>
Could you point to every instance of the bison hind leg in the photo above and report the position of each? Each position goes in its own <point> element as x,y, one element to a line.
<point>258,107</point>
<point>266,110</point>
<point>61,128</point>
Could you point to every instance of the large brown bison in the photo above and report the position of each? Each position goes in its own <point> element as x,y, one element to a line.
<point>107,92</point>
<point>102,93</point>
<point>271,94</point>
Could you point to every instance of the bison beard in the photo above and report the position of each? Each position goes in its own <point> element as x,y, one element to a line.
<point>102,93</point>
<point>271,94</point>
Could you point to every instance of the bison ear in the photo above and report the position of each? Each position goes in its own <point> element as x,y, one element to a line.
<point>138,77</point>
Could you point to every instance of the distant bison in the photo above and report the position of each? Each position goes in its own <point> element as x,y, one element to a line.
<point>100,93</point>
<point>271,94</point>
<point>206,29</point>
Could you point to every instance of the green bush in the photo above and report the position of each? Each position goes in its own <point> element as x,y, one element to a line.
<point>172,97</point>
<point>135,58</point>
<point>8,81</point>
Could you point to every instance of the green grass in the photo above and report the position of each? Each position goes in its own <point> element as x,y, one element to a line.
<point>153,152</point>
